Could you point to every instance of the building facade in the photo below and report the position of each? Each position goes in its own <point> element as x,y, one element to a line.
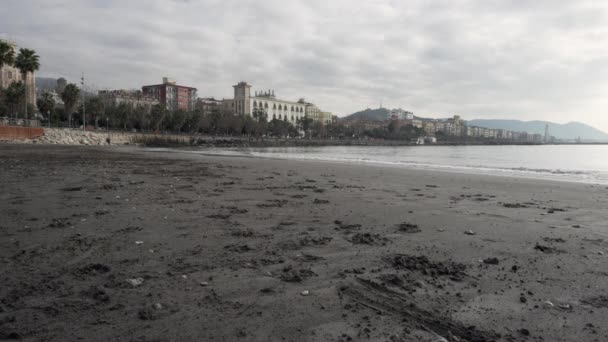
<point>245,104</point>
<point>207,105</point>
<point>172,96</point>
<point>10,74</point>
<point>132,98</point>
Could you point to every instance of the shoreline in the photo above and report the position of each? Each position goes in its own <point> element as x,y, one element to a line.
<point>531,174</point>
<point>126,244</point>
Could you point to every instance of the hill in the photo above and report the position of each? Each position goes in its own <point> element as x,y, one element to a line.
<point>379,114</point>
<point>571,130</point>
<point>46,83</point>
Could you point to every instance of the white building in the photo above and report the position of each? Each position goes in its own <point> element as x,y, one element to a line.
<point>401,114</point>
<point>245,104</point>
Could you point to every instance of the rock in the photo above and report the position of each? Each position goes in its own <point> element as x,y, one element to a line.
<point>135,282</point>
<point>470,232</point>
<point>548,304</point>
<point>203,283</point>
<point>158,306</point>
<point>305,293</point>
<point>523,299</point>
<point>524,332</point>
<point>139,242</point>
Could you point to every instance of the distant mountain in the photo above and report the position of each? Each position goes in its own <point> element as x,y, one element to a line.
<point>379,114</point>
<point>571,130</point>
<point>46,83</point>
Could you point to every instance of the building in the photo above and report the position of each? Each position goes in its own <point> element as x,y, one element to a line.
<point>10,74</point>
<point>172,96</point>
<point>207,105</point>
<point>132,98</point>
<point>401,114</point>
<point>245,104</point>
<point>61,84</point>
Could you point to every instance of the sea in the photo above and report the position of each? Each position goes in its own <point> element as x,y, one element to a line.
<point>575,163</point>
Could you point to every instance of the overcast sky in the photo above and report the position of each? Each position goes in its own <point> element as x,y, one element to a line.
<point>541,59</point>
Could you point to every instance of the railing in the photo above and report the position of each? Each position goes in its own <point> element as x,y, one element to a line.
<point>5,121</point>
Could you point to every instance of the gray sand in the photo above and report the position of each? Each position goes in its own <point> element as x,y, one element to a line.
<point>102,244</point>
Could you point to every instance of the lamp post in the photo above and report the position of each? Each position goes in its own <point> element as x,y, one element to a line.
<point>84,120</point>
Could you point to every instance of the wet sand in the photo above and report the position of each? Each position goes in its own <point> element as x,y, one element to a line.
<point>108,244</point>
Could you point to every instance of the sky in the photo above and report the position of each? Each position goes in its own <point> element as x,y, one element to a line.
<point>484,59</point>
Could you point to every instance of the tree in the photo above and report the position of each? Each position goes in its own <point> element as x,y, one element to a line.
<point>14,95</point>
<point>304,124</point>
<point>157,115</point>
<point>95,108</point>
<point>261,118</point>
<point>7,54</point>
<point>27,62</point>
<point>122,115</point>
<point>46,104</point>
<point>70,98</point>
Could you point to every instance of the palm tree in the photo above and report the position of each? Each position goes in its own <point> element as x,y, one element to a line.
<point>14,94</point>
<point>69,98</point>
<point>7,54</point>
<point>27,61</point>
<point>46,104</point>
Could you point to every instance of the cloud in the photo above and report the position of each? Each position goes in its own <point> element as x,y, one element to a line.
<point>481,59</point>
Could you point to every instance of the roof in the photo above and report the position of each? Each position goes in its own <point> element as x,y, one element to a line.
<point>166,84</point>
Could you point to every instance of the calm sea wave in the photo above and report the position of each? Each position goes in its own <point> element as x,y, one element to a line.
<point>580,163</point>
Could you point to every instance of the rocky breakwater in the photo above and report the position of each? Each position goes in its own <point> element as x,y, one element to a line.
<point>78,137</point>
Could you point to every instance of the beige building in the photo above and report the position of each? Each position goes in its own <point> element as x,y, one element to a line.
<point>10,74</point>
<point>245,104</point>
<point>133,98</point>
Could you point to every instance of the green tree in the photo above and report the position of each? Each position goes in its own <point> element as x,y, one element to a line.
<point>14,96</point>
<point>46,105</point>
<point>261,117</point>
<point>122,115</point>
<point>305,125</point>
<point>95,109</point>
<point>70,98</point>
<point>157,116</point>
<point>7,54</point>
<point>27,62</point>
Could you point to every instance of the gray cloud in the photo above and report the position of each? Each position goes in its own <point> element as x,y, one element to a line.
<point>478,58</point>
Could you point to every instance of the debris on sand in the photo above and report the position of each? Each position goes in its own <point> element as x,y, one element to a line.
<point>384,300</point>
<point>305,293</point>
<point>135,282</point>
<point>454,270</point>
<point>345,226</point>
<point>320,201</point>
<point>407,227</point>
<point>272,204</point>
<point>219,216</point>
<point>514,205</point>
<point>243,233</point>
<point>93,269</point>
<point>238,248</point>
<point>598,302</point>
<point>559,240</point>
<point>59,223</point>
<point>315,241</point>
<point>470,232</point>
<point>367,239</point>
<point>74,188</point>
<point>292,275</point>
<point>546,249</point>
<point>491,261</point>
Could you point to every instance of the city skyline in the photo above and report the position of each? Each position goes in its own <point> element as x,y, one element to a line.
<point>483,60</point>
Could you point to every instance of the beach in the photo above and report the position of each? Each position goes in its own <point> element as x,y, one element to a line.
<point>131,244</point>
